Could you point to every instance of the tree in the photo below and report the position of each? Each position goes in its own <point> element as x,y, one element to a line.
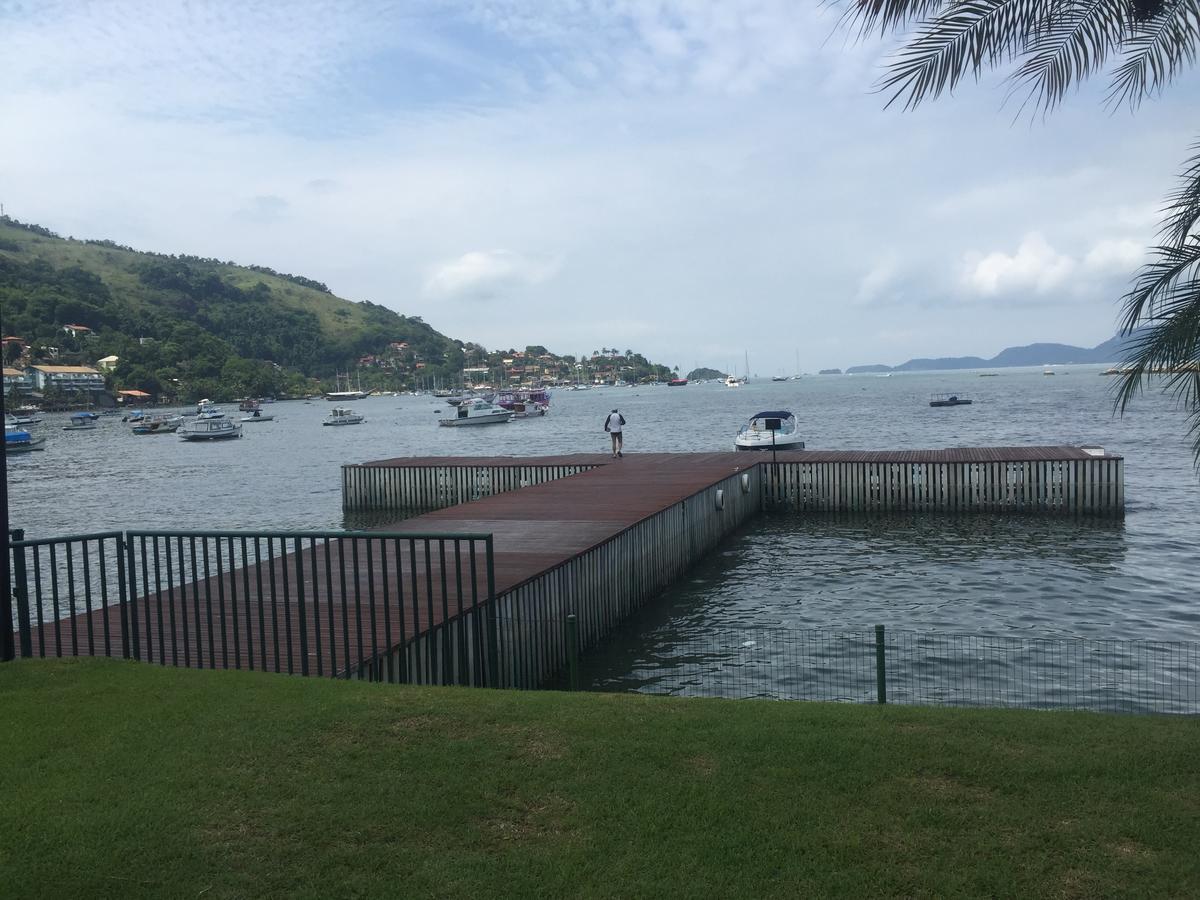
<point>1054,45</point>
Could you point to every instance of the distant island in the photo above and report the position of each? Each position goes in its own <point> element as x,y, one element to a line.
<point>703,374</point>
<point>1111,351</point>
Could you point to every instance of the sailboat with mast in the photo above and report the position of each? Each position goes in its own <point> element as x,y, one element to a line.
<point>732,380</point>
<point>347,394</point>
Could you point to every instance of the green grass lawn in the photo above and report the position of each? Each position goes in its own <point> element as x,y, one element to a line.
<point>125,779</point>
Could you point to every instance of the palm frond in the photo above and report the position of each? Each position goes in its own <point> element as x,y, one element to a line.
<point>1075,42</point>
<point>968,36</point>
<point>868,16</point>
<point>1183,204</point>
<point>1156,51</point>
<point>1160,285</point>
<point>1165,305</point>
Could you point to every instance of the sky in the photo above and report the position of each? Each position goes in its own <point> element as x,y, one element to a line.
<point>699,182</point>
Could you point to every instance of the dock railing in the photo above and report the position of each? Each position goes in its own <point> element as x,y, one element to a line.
<point>896,666</point>
<point>402,607</point>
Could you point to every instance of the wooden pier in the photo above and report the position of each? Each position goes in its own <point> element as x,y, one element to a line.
<point>586,535</point>
<point>1075,481</point>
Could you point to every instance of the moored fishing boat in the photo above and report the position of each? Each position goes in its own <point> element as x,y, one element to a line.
<point>82,421</point>
<point>214,429</point>
<point>158,423</point>
<point>524,402</point>
<point>340,415</point>
<point>18,440</point>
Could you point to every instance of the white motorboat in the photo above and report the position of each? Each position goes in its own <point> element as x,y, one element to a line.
<point>82,421</point>
<point>19,421</point>
<point>206,409</point>
<point>734,381</point>
<point>478,412</point>
<point>257,416</point>
<point>216,429</point>
<point>769,430</point>
<point>340,415</point>
<point>157,423</point>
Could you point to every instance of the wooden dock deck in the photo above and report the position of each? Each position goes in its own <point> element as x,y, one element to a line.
<point>584,534</point>
<point>534,531</point>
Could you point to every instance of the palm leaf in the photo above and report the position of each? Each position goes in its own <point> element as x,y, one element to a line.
<point>968,36</point>
<point>1165,302</point>
<point>1183,204</point>
<point>1076,41</point>
<point>1157,51</point>
<point>888,15</point>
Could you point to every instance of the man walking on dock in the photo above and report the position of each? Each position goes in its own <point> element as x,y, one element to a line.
<point>613,425</point>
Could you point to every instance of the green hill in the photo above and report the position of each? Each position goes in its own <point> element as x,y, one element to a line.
<point>188,326</point>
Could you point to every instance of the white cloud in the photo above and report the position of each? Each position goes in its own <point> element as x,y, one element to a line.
<point>1035,266</point>
<point>1122,256</point>
<point>486,273</point>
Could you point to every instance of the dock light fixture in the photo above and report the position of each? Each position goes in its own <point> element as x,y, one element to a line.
<point>745,482</point>
<point>720,499</point>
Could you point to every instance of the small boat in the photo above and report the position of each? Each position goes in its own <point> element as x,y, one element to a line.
<point>206,409</point>
<point>18,440</point>
<point>257,416</point>
<point>525,402</point>
<point>478,412</point>
<point>949,400</point>
<point>677,382</point>
<point>1048,372</point>
<point>19,421</point>
<point>82,421</point>
<point>159,423</point>
<point>340,415</point>
<point>211,429</point>
<point>734,381</point>
<point>769,430</point>
<point>780,378</point>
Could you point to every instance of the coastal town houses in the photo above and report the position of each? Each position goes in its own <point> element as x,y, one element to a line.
<point>17,380</point>
<point>67,378</point>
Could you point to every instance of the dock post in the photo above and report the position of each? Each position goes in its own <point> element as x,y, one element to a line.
<point>21,595</point>
<point>573,651</point>
<point>493,624</point>
<point>880,671</point>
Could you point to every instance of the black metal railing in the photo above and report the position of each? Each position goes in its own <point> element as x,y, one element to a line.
<point>897,667</point>
<point>388,606</point>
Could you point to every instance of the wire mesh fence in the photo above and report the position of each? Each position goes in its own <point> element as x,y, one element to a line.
<point>885,665</point>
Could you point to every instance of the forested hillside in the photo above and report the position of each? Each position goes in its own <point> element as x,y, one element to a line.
<point>193,326</point>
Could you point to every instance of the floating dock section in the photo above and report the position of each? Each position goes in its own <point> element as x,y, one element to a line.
<point>599,537</point>
<point>1074,481</point>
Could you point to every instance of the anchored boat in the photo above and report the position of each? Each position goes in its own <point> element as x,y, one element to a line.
<point>769,430</point>
<point>159,423</point>
<point>340,415</point>
<point>209,430</point>
<point>82,421</point>
<point>478,412</point>
<point>949,400</point>
<point>18,440</point>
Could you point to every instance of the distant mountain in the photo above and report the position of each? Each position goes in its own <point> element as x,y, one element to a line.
<point>1111,351</point>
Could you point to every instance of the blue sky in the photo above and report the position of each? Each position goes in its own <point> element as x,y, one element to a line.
<point>691,180</point>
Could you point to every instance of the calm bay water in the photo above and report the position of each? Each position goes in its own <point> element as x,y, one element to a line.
<point>981,575</point>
